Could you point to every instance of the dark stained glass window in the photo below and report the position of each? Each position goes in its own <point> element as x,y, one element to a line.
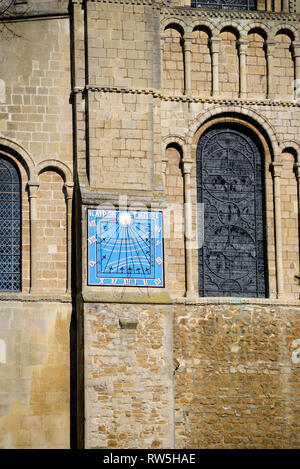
<point>225,4</point>
<point>10,227</point>
<point>230,185</point>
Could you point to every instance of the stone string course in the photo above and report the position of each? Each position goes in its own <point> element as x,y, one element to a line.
<point>184,98</point>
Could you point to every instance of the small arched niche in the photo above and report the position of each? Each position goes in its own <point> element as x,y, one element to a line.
<point>173,60</point>
<point>256,64</point>
<point>284,66</point>
<point>289,223</point>
<point>51,249</point>
<point>174,220</point>
<point>229,63</point>
<point>201,62</point>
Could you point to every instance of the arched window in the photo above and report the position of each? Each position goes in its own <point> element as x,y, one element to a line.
<point>10,227</point>
<point>230,185</point>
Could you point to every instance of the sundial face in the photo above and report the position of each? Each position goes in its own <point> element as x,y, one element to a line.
<point>125,248</point>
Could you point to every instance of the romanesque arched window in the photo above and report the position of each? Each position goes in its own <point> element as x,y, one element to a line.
<point>230,185</point>
<point>225,4</point>
<point>10,227</point>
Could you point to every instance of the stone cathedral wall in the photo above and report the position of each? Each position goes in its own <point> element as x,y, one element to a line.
<point>222,372</point>
<point>36,134</point>
<point>122,92</point>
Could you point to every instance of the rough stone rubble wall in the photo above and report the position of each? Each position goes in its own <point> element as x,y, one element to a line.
<point>128,376</point>
<point>237,378</point>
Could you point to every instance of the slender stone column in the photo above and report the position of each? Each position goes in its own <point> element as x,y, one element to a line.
<point>276,170</point>
<point>33,192</point>
<point>187,63</point>
<point>296,56</point>
<point>68,187</point>
<point>186,170</point>
<point>162,43</point>
<point>269,5</point>
<point>164,162</point>
<point>297,173</point>
<point>270,48</point>
<point>242,48</point>
<point>285,6</point>
<point>215,50</point>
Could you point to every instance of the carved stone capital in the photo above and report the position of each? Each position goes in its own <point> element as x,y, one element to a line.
<point>33,187</point>
<point>242,46</point>
<point>296,49</point>
<point>276,168</point>
<point>187,41</point>
<point>214,44</point>
<point>270,47</point>
<point>68,188</point>
<point>186,165</point>
<point>297,171</point>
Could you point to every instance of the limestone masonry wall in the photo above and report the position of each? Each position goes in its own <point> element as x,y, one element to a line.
<point>36,133</point>
<point>35,375</point>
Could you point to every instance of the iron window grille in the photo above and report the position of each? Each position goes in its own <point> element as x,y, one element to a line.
<point>232,261</point>
<point>225,4</point>
<point>10,227</point>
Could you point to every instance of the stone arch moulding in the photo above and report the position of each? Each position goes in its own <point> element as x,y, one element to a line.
<point>169,139</point>
<point>286,28</point>
<point>205,24</point>
<point>22,156</point>
<point>237,28</point>
<point>265,30</point>
<point>241,113</point>
<point>58,166</point>
<point>173,22</point>
<point>290,144</point>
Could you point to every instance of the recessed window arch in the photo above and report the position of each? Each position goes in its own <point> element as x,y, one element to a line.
<point>230,185</point>
<point>10,226</point>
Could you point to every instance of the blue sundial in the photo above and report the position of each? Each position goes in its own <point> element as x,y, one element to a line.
<point>125,248</point>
